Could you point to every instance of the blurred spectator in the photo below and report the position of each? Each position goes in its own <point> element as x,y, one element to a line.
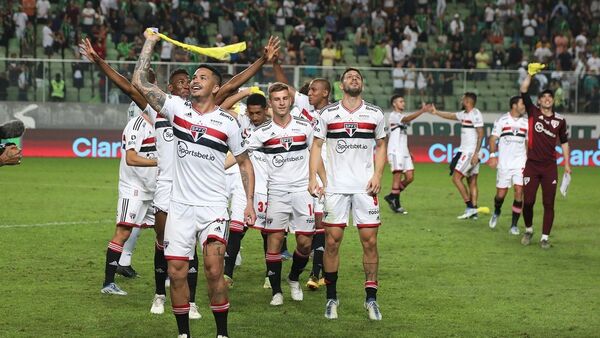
<point>226,28</point>
<point>489,14</point>
<point>88,17</point>
<point>280,18</point>
<point>515,55</point>
<point>388,60</point>
<point>166,49</point>
<point>328,59</point>
<point>457,26</point>
<point>542,51</point>
<point>20,19</point>
<point>529,30</point>
<point>400,55</point>
<point>398,77</point>
<point>498,57</point>
<point>378,19</point>
<point>47,40</point>
<point>593,63</point>
<point>24,82</point>
<point>473,39</point>
<point>4,84</point>
<point>378,54</point>
<point>361,41</point>
<point>43,8</point>
<point>482,59</point>
<point>57,89</point>
<point>440,8</point>
<point>124,47</point>
<point>331,24</point>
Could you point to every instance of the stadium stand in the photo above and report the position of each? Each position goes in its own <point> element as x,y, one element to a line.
<point>443,49</point>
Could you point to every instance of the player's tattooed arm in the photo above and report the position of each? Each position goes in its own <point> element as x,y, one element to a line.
<point>153,94</point>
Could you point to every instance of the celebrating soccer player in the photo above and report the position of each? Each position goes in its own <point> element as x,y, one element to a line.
<point>466,161</point>
<point>351,127</point>
<point>198,209</point>
<point>397,151</point>
<point>546,130</point>
<point>285,141</point>
<point>308,107</point>
<point>510,131</point>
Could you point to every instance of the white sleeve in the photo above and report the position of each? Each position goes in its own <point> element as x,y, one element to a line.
<point>477,119</point>
<point>460,115</point>
<point>171,106</point>
<point>497,130</point>
<point>380,128</point>
<point>253,142</point>
<point>235,142</point>
<point>310,131</point>
<point>320,128</point>
<point>133,138</point>
<point>301,101</point>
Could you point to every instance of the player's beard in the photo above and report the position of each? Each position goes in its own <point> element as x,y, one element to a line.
<point>354,92</point>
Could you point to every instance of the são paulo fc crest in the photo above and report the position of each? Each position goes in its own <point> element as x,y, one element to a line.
<point>526,180</point>
<point>554,123</point>
<point>351,128</point>
<point>197,131</point>
<point>286,142</point>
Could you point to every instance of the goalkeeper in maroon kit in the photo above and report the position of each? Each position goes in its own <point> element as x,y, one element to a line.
<point>546,130</point>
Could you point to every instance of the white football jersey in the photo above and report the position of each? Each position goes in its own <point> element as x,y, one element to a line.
<point>468,134</point>
<point>398,141</point>
<point>202,141</point>
<point>137,182</point>
<point>287,152</point>
<point>512,141</point>
<point>258,158</point>
<point>165,147</point>
<point>302,108</point>
<point>350,137</point>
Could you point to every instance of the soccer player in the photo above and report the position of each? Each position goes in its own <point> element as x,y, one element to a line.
<point>204,134</point>
<point>137,175</point>
<point>510,131</point>
<point>397,151</point>
<point>308,107</point>
<point>466,161</point>
<point>351,127</point>
<point>178,86</point>
<point>546,130</point>
<point>285,141</point>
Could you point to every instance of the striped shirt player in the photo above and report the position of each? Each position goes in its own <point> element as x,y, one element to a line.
<point>512,150</point>
<point>350,136</point>
<point>260,164</point>
<point>397,151</point>
<point>468,141</point>
<point>285,149</point>
<point>137,184</point>
<point>198,201</point>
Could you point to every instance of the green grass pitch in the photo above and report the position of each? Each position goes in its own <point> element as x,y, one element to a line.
<point>438,276</point>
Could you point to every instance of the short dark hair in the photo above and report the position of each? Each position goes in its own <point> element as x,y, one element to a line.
<point>472,96</point>
<point>394,97</point>
<point>325,83</point>
<point>348,70</point>
<point>256,100</point>
<point>176,72</point>
<point>213,70</point>
<point>547,91</point>
<point>304,88</point>
<point>514,100</point>
<point>278,87</point>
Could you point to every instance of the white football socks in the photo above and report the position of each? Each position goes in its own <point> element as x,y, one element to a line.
<point>128,247</point>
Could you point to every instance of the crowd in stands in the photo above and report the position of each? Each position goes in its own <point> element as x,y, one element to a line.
<point>401,34</point>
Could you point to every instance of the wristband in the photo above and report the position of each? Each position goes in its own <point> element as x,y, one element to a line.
<point>493,155</point>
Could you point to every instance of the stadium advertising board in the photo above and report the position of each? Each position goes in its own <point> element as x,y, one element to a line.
<point>62,130</point>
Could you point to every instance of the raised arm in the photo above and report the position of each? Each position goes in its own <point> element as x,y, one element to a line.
<point>443,114</point>
<point>424,108</point>
<point>235,98</point>
<point>525,84</point>
<point>280,76</point>
<point>238,80</point>
<point>153,94</point>
<point>86,49</point>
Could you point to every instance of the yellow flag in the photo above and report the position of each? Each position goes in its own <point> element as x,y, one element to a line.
<point>219,53</point>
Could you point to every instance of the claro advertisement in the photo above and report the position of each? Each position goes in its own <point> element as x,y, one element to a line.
<point>430,141</point>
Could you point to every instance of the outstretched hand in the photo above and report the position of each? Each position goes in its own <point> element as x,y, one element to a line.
<point>271,50</point>
<point>86,49</point>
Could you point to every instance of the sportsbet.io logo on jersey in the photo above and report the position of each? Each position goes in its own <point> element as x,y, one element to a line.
<point>341,146</point>
<point>279,160</point>
<point>168,134</point>
<point>183,151</point>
